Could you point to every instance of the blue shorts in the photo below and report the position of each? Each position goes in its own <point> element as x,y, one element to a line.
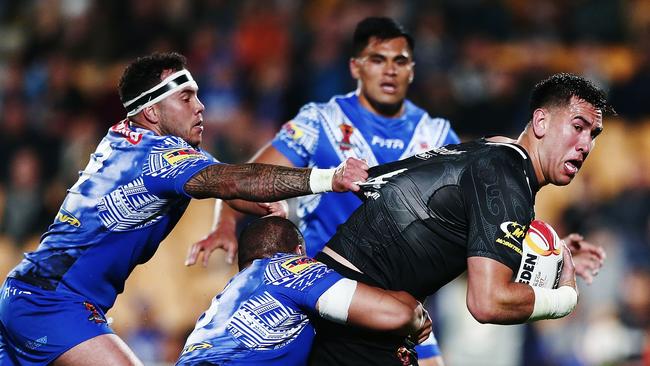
<point>429,348</point>
<point>37,326</point>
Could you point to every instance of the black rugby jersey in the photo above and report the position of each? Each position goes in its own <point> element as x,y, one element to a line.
<point>425,215</point>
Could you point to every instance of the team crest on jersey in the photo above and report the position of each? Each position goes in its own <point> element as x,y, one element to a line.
<point>512,234</point>
<point>298,264</point>
<point>175,156</point>
<point>67,218</point>
<point>347,132</point>
<point>293,130</point>
<point>123,129</point>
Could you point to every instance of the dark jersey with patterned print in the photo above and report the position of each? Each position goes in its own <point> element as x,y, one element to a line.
<point>421,219</point>
<point>424,216</point>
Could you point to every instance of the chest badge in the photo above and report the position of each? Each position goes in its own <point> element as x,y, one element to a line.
<point>347,131</point>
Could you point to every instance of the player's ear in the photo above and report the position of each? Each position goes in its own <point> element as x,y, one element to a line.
<point>299,250</point>
<point>540,122</point>
<point>355,68</point>
<point>151,113</point>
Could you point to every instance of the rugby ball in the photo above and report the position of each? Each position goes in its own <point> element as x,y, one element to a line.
<point>541,259</point>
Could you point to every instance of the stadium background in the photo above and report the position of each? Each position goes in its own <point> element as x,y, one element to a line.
<point>258,61</point>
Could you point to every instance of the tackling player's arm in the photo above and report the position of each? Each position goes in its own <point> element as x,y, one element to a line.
<point>355,303</point>
<point>264,183</point>
<point>267,155</point>
<point>223,234</point>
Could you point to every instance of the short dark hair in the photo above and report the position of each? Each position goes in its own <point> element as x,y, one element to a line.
<point>266,236</point>
<point>144,73</point>
<point>558,89</point>
<point>382,28</point>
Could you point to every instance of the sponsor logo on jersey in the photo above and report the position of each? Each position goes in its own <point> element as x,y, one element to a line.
<point>293,130</point>
<point>176,156</point>
<point>299,264</point>
<point>94,316</point>
<point>437,151</point>
<point>13,291</point>
<point>37,343</point>
<point>347,132</point>
<point>379,181</point>
<point>387,143</point>
<point>444,151</point>
<point>196,346</point>
<point>425,155</point>
<point>67,218</point>
<point>123,129</point>
<point>513,233</point>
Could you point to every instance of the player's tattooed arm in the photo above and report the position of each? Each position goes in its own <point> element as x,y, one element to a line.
<point>252,182</point>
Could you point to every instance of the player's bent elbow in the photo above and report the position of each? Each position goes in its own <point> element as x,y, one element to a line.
<point>483,309</point>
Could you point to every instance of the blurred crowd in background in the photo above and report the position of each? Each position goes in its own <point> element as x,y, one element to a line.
<point>257,61</point>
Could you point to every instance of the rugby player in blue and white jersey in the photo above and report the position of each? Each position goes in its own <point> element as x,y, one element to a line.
<point>376,123</point>
<point>131,194</point>
<point>262,317</point>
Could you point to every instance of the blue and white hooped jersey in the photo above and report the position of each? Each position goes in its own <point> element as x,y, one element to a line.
<point>126,201</point>
<point>322,135</point>
<point>261,317</point>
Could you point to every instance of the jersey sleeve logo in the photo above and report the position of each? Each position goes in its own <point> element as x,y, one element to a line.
<point>196,347</point>
<point>123,129</point>
<point>67,218</point>
<point>295,272</point>
<point>176,156</point>
<point>292,130</point>
<point>512,234</point>
<point>299,264</point>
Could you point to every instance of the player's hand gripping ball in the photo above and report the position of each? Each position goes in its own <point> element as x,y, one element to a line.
<point>541,260</point>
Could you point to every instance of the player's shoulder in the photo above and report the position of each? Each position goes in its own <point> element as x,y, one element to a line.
<point>422,114</point>
<point>124,133</point>
<point>283,267</point>
<point>316,110</point>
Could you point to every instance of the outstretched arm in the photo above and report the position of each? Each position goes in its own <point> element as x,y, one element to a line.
<point>226,216</point>
<point>492,297</point>
<point>266,183</point>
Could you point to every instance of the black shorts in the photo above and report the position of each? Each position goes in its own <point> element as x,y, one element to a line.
<point>337,344</point>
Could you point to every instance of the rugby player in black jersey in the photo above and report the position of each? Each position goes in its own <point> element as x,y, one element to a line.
<point>429,218</point>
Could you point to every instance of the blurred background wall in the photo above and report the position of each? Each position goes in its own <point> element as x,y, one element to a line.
<point>258,61</point>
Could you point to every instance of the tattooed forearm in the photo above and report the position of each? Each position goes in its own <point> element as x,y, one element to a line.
<point>251,182</point>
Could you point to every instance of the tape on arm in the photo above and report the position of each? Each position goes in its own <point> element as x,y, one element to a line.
<point>553,304</point>
<point>320,180</point>
<point>334,303</point>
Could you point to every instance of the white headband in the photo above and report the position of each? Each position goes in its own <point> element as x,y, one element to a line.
<point>160,91</point>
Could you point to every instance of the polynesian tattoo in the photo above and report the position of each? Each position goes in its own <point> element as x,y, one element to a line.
<point>252,182</point>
